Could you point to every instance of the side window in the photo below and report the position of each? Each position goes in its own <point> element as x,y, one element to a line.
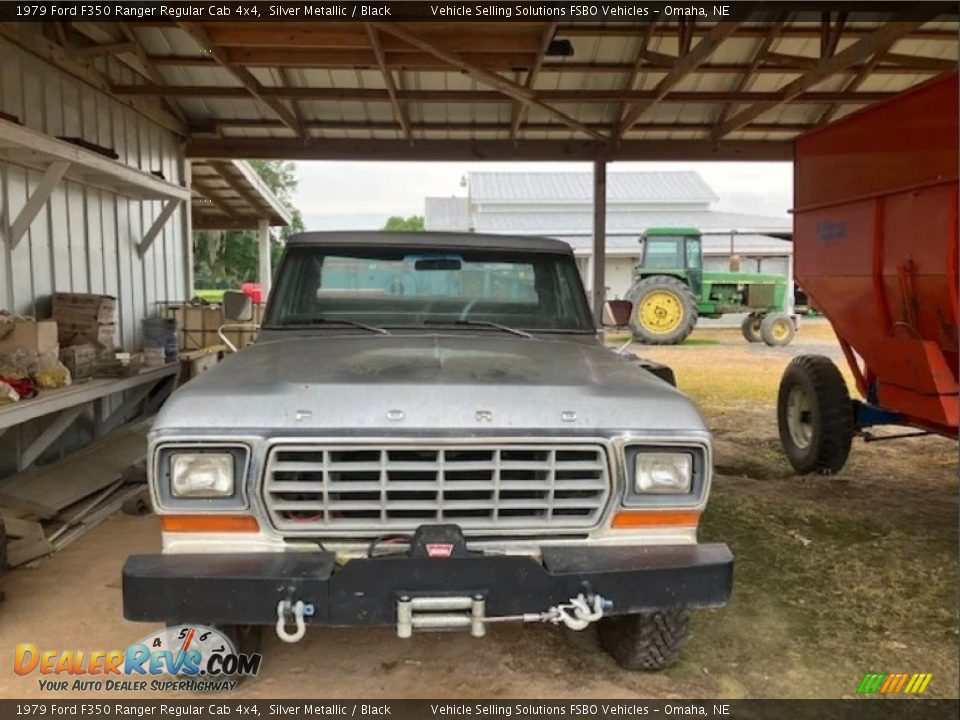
<point>693,254</point>
<point>662,253</point>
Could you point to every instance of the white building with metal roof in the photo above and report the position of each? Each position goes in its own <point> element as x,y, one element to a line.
<point>560,205</point>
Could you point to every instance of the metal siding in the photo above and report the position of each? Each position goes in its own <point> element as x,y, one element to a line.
<point>84,239</point>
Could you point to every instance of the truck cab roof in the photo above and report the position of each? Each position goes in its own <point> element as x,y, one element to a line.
<point>433,240</point>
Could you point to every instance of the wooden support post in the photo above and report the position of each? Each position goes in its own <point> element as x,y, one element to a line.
<point>53,431</point>
<point>263,235</point>
<point>599,239</point>
<point>38,198</point>
<point>168,209</point>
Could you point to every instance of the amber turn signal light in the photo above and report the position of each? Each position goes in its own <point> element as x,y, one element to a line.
<point>209,523</point>
<point>655,518</point>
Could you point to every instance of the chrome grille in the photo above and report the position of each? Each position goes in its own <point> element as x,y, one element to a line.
<point>479,487</point>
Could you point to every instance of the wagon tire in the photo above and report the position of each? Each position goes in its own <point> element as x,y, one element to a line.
<point>645,641</point>
<point>750,327</point>
<point>777,329</point>
<point>677,300</point>
<point>815,415</point>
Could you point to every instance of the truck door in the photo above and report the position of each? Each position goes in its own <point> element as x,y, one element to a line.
<point>694,264</point>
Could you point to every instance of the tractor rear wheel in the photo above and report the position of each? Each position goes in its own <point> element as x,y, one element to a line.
<point>814,415</point>
<point>750,327</point>
<point>664,310</point>
<point>776,329</point>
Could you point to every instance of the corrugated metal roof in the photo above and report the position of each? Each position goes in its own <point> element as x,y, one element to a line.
<point>326,76</point>
<point>572,187</point>
<point>622,223</point>
<point>452,213</point>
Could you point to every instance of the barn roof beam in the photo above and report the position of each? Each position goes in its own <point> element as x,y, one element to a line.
<point>753,30</point>
<point>502,84</point>
<point>483,150</point>
<point>244,76</point>
<point>774,63</point>
<point>480,96</point>
<point>519,112</point>
<point>862,49</point>
<point>685,65</point>
<point>399,110</point>
<point>749,75</point>
<point>638,65</point>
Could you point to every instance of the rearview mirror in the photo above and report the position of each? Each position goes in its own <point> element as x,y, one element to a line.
<point>237,307</point>
<point>616,313</point>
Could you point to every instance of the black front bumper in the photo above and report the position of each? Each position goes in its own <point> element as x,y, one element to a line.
<point>246,588</point>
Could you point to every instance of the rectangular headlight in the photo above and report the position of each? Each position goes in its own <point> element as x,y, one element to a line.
<point>201,475</point>
<point>663,472</point>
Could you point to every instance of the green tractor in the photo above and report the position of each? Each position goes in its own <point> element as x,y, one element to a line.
<point>671,290</point>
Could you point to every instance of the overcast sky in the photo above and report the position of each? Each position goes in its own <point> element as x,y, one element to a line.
<point>361,196</point>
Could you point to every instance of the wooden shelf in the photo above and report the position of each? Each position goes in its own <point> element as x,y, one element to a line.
<point>37,150</point>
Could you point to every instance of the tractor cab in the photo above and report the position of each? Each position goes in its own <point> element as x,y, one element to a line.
<point>673,251</point>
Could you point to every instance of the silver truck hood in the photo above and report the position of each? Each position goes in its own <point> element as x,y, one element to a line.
<point>462,382</point>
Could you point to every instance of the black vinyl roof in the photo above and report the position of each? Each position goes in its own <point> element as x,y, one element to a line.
<point>432,240</point>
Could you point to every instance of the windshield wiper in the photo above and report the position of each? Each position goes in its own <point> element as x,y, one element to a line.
<point>482,323</point>
<point>326,321</point>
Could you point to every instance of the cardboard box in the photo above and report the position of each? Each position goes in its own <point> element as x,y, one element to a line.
<point>72,333</point>
<point>85,307</point>
<point>81,360</point>
<point>36,336</point>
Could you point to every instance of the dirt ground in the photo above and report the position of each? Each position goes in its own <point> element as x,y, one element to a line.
<point>835,577</point>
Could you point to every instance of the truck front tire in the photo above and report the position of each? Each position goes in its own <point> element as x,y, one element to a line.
<point>814,415</point>
<point>645,641</point>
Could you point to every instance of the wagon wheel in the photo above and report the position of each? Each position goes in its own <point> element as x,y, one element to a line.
<point>664,311</point>
<point>814,415</point>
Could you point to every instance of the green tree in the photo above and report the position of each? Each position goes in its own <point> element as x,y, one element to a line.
<point>414,223</point>
<point>225,260</point>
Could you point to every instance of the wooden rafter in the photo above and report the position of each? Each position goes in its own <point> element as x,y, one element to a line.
<point>209,127</point>
<point>207,194</point>
<point>223,170</point>
<point>802,31</point>
<point>399,111</point>
<point>685,37</point>
<point>479,96</point>
<point>301,57</point>
<point>246,78</point>
<point>866,46</point>
<point>831,32</point>
<point>747,78</point>
<point>683,67</point>
<point>520,111</point>
<point>102,49</point>
<point>631,83</point>
<point>507,87</point>
<point>521,150</point>
<point>152,72</point>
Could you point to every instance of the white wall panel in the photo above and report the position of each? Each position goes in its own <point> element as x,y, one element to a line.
<point>85,239</point>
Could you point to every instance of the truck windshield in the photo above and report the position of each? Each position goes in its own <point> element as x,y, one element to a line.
<point>399,287</point>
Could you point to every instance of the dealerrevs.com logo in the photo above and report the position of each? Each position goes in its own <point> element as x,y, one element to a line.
<point>198,658</point>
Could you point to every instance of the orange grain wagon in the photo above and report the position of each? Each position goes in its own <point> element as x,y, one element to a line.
<point>875,249</point>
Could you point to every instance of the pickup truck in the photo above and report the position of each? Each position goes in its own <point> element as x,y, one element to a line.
<point>430,434</point>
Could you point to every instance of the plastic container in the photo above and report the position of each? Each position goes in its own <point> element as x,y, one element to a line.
<point>161,333</point>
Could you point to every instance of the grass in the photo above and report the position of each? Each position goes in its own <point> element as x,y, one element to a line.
<point>211,296</point>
